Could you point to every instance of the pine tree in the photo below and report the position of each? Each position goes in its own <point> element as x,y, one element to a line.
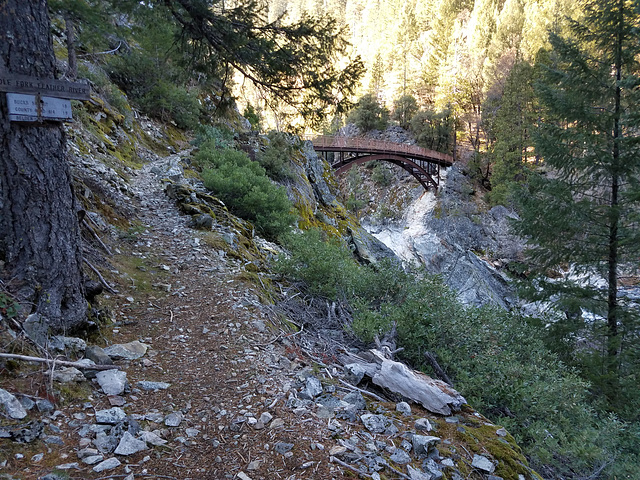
<point>296,64</point>
<point>40,243</point>
<point>508,120</point>
<point>584,212</point>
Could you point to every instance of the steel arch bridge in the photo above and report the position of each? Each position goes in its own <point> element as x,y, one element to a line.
<point>422,163</point>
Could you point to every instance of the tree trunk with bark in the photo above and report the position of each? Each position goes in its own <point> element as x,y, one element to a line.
<point>40,244</point>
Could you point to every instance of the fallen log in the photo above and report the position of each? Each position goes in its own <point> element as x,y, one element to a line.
<point>434,395</point>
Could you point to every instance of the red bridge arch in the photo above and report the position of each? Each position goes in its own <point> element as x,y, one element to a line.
<point>422,163</point>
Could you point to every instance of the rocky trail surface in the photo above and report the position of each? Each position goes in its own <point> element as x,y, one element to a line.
<point>210,384</point>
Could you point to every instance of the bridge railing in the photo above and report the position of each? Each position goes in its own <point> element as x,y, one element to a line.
<point>361,143</point>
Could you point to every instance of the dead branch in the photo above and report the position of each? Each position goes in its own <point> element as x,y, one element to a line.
<point>350,467</point>
<point>437,368</point>
<point>100,277</point>
<point>364,392</point>
<point>95,235</point>
<point>54,362</point>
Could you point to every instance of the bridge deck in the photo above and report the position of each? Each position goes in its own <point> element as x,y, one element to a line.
<point>325,143</point>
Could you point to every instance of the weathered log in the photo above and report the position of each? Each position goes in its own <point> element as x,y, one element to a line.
<point>434,395</point>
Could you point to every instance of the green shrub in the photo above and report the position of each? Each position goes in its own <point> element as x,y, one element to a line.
<point>276,158</point>
<point>253,117</point>
<point>497,360</point>
<point>246,190</point>
<point>325,266</point>
<point>166,102</point>
<point>219,136</point>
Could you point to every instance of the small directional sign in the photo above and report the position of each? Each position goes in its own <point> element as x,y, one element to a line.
<point>33,108</point>
<point>50,87</point>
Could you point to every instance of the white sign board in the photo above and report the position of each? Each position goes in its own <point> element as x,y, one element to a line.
<point>25,108</point>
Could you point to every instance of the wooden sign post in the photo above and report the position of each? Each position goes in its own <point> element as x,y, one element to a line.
<point>32,99</point>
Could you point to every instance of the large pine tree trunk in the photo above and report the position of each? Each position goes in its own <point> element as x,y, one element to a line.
<point>39,233</point>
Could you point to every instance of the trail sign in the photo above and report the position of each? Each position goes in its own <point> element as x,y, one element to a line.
<point>50,87</point>
<point>34,108</point>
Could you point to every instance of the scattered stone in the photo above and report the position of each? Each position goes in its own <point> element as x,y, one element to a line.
<point>152,438</point>
<point>36,328</point>
<point>111,416</point>
<point>243,476</point>
<point>93,459</point>
<point>37,457</point>
<point>376,423</point>
<point>128,351</point>
<point>501,432</point>
<point>312,388</point>
<point>44,405</point>
<point>452,420</point>
<point>61,343</point>
<point>283,447</point>
<point>423,425</point>
<point>27,403</point>
<point>53,440</point>
<point>403,408</point>
<point>400,457</point>
<point>192,432</point>
<point>108,464</point>
<point>255,465</point>
<point>69,466</point>
<point>415,474</point>
<point>152,386</point>
<point>173,419</point>
<point>494,477</point>
<point>265,418</point>
<point>337,451</point>
<point>483,463</point>
<point>116,400</point>
<point>422,444</point>
<point>354,373</point>
<point>356,399</point>
<point>68,375</point>
<point>11,405</point>
<point>129,445</point>
<point>98,355</point>
<point>112,382</point>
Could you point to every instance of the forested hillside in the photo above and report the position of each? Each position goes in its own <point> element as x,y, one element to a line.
<point>537,101</point>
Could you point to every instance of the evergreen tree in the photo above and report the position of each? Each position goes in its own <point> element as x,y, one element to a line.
<point>296,64</point>
<point>40,243</point>
<point>368,114</point>
<point>377,76</point>
<point>584,213</point>
<point>508,121</point>
<point>404,108</point>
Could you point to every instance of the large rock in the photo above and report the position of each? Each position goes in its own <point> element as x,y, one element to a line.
<point>452,237</point>
<point>128,351</point>
<point>11,405</point>
<point>129,445</point>
<point>112,382</point>
<point>68,375</point>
